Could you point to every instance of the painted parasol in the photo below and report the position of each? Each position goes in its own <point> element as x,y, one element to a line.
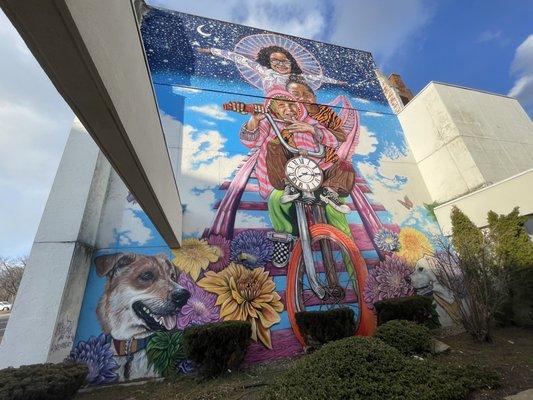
<point>250,46</point>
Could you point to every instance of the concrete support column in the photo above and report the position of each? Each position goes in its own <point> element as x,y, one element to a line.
<point>45,314</point>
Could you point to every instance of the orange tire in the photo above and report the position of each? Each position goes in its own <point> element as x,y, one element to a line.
<point>367,318</point>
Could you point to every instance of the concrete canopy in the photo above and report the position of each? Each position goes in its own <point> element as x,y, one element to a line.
<point>93,53</point>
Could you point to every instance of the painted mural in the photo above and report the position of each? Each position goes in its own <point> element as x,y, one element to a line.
<point>298,189</point>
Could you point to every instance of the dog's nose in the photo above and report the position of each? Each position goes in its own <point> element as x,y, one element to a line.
<point>180,296</point>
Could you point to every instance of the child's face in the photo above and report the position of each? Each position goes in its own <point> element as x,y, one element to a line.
<point>285,109</point>
<point>280,63</point>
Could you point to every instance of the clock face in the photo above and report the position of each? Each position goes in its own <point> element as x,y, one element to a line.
<point>304,173</point>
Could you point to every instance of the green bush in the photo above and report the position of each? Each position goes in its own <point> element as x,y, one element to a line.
<point>419,309</point>
<point>514,251</point>
<point>319,327</point>
<point>217,347</point>
<point>365,368</point>
<point>407,337</point>
<point>42,381</point>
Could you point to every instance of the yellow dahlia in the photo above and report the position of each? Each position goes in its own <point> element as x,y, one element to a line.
<point>413,245</point>
<point>246,295</point>
<point>195,255</point>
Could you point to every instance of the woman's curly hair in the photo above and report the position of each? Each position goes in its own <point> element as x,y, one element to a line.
<point>263,58</point>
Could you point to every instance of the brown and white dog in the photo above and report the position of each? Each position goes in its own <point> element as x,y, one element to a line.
<point>141,296</point>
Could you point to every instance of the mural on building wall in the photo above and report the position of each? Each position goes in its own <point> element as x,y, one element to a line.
<point>299,193</point>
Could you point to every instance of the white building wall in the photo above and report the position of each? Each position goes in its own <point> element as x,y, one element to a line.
<point>464,139</point>
<point>501,198</point>
<point>495,129</point>
<point>46,310</point>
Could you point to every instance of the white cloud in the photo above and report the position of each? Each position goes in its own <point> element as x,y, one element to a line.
<point>183,89</point>
<point>388,185</point>
<point>245,220</point>
<point>132,230</point>
<point>34,124</point>
<point>119,220</point>
<point>522,69</point>
<point>380,26</point>
<point>488,36</point>
<point>211,110</point>
<point>293,18</point>
<point>372,114</point>
<point>203,167</point>
<point>367,142</point>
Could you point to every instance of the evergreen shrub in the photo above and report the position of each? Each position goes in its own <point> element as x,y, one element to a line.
<point>407,337</point>
<point>369,369</point>
<point>218,347</point>
<point>319,327</point>
<point>42,381</point>
<point>419,309</point>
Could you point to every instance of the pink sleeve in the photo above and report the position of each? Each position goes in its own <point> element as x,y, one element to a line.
<point>255,138</point>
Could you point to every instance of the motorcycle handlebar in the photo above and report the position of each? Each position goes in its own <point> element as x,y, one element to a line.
<point>250,109</point>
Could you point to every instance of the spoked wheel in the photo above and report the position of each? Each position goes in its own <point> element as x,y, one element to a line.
<point>341,271</point>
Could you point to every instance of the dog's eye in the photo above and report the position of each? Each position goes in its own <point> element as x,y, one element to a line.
<point>173,277</point>
<point>146,276</point>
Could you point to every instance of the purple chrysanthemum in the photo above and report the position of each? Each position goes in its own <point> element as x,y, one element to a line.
<point>251,249</point>
<point>97,354</point>
<point>223,245</point>
<point>200,308</point>
<point>388,280</point>
<point>386,240</point>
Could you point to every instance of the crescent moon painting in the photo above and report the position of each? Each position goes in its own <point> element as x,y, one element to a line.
<point>201,32</point>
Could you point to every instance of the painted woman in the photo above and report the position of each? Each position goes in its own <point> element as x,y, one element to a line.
<point>267,60</point>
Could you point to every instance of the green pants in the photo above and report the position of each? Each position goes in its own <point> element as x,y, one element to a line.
<point>283,217</point>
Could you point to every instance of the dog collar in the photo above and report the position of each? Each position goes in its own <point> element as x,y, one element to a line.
<point>126,347</point>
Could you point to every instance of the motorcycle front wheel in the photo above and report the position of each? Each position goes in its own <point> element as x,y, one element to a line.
<point>341,271</point>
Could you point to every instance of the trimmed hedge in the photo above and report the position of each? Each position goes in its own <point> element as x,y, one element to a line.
<point>217,347</point>
<point>419,309</point>
<point>405,336</point>
<point>367,368</point>
<point>42,381</point>
<point>319,327</point>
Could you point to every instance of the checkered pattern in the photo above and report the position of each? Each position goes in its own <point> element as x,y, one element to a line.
<point>282,252</point>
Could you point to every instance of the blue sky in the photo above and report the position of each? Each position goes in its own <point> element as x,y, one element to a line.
<point>486,45</point>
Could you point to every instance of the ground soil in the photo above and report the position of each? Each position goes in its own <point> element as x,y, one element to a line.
<point>510,354</point>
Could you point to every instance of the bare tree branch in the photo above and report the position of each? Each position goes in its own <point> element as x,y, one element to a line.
<point>11,271</point>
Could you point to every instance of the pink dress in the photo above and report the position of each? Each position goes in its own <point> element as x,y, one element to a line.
<point>259,138</point>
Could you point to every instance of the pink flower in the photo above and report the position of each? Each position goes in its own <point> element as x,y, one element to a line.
<point>388,280</point>
<point>200,308</point>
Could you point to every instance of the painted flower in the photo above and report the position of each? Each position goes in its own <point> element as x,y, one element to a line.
<point>388,280</point>
<point>387,240</point>
<point>223,246</point>
<point>185,367</point>
<point>252,249</point>
<point>246,295</point>
<point>194,255</point>
<point>413,245</point>
<point>97,354</point>
<point>200,308</point>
